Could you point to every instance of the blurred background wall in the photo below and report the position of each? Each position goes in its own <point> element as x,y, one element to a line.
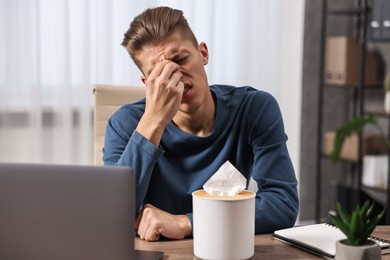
<point>53,51</point>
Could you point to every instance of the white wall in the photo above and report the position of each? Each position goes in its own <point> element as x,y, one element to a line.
<point>259,44</point>
<point>289,86</point>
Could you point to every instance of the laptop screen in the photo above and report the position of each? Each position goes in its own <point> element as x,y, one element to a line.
<point>66,212</point>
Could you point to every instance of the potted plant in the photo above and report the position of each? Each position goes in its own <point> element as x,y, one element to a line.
<point>357,226</point>
<point>354,125</point>
<point>386,85</point>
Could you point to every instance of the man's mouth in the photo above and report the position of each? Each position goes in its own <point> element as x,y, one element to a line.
<point>187,91</point>
<point>186,88</point>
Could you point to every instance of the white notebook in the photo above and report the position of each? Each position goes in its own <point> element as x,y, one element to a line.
<point>319,239</point>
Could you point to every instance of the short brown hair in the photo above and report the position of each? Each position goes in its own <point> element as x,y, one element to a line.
<point>154,25</point>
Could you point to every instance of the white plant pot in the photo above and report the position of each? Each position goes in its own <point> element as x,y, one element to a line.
<point>369,251</point>
<point>387,102</point>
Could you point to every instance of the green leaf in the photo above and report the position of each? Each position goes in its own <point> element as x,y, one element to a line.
<point>366,207</point>
<point>339,223</point>
<point>368,213</point>
<point>380,216</point>
<point>347,129</point>
<point>345,217</point>
<point>386,82</point>
<point>352,236</point>
<point>360,228</point>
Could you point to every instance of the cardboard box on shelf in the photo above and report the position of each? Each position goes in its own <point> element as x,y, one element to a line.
<point>372,144</point>
<point>342,62</point>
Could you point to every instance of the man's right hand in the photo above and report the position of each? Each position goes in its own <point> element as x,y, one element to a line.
<point>164,90</point>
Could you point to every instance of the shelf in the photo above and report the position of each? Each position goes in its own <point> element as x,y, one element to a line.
<point>378,40</point>
<point>382,114</point>
<point>346,12</point>
<point>360,16</point>
<point>341,160</point>
<point>353,86</point>
<point>377,194</point>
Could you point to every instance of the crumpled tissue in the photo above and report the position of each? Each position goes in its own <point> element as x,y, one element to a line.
<point>227,181</point>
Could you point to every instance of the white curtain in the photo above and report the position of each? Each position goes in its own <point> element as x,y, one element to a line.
<point>52,51</point>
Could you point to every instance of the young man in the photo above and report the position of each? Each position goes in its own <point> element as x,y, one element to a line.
<point>184,130</point>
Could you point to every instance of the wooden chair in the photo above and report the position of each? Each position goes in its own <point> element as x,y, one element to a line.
<point>108,99</point>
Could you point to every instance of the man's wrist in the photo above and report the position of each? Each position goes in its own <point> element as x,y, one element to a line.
<point>150,130</point>
<point>186,225</point>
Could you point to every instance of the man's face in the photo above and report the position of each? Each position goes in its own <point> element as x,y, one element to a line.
<point>191,60</point>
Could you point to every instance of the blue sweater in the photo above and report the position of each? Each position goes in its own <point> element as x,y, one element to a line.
<point>249,132</point>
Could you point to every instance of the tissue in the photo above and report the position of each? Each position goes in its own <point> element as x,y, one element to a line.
<point>227,181</point>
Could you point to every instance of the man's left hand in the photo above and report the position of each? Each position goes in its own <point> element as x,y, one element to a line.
<point>153,222</point>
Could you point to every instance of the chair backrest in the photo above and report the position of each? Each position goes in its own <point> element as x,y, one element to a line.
<point>108,99</point>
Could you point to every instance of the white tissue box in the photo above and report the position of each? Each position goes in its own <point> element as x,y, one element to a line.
<point>375,170</point>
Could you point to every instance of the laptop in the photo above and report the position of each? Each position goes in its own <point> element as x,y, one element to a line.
<point>55,212</point>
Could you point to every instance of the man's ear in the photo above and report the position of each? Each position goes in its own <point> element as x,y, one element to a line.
<point>205,52</point>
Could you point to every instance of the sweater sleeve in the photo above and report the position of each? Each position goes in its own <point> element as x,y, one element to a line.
<point>277,197</point>
<point>131,150</point>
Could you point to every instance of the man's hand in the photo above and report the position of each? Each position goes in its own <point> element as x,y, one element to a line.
<point>164,91</point>
<point>153,222</point>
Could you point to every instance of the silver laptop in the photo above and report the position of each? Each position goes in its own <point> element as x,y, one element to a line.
<point>57,212</point>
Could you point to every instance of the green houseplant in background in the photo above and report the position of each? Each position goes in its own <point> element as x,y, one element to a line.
<point>356,125</point>
<point>357,226</point>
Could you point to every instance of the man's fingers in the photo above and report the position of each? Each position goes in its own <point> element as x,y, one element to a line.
<point>152,234</point>
<point>157,70</point>
<point>175,79</point>
<point>146,228</point>
<point>137,220</point>
<point>163,69</point>
<point>141,228</point>
<point>180,87</point>
<point>169,67</point>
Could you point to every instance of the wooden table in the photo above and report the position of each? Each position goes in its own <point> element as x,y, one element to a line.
<point>266,247</point>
